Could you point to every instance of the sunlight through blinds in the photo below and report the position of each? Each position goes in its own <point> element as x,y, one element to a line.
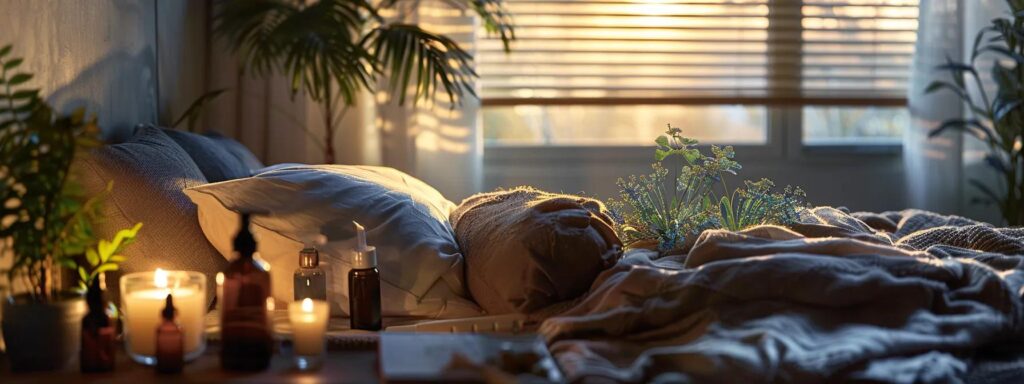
<point>701,52</point>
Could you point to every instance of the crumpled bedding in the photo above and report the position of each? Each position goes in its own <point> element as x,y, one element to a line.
<point>900,297</point>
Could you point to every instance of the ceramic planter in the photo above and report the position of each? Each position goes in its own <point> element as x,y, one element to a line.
<point>42,336</point>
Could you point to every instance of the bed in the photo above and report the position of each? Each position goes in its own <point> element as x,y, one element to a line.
<point>906,296</point>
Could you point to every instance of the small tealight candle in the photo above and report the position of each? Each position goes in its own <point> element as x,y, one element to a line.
<point>309,327</point>
<point>143,297</point>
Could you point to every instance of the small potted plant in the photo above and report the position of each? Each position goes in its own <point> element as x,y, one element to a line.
<point>46,223</point>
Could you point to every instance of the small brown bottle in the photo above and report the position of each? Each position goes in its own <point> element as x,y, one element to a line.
<point>364,285</point>
<point>98,344</point>
<point>246,337</point>
<point>170,342</point>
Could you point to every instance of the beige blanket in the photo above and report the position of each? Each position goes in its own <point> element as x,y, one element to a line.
<point>905,299</point>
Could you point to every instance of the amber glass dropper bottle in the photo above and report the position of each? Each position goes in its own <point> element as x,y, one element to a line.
<point>98,344</point>
<point>170,343</point>
<point>364,285</point>
<point>247,341</point>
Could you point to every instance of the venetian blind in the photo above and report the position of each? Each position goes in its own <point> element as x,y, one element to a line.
<point>702,52</point>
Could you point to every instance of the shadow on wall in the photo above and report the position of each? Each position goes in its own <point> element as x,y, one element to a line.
<point>120,89</point>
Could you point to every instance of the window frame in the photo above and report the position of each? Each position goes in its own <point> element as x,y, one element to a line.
<point>784,108</point>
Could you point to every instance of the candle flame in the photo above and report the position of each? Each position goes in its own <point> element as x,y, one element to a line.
<point>270,304</point>
<point>220,278</point>
<point>160,278</point>
<point>307,305</point>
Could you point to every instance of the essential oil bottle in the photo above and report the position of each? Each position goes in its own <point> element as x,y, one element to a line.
<point>364,285</point>
<point>310,281</point>
<point>170,341</point>
<point>246,334</point>
<point>98,336</point>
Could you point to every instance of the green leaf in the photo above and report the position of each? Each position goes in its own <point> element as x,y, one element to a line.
<point>25,94</point>
<point>971,126</point>
<point>196,108</point>
<point>83,275</point>
<point>5,50</point>
<point>105,250</point>
<point>106,268</point>
<point>92,257</point>
<point>19,79</point>
<point>10,64</point>
<point>662,141</point>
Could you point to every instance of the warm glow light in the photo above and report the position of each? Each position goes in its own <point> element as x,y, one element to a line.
<point>270,304</point>
<point>307,305</point>
<point>259,260</point>
<point>220,278</point>
<point>160,278</point>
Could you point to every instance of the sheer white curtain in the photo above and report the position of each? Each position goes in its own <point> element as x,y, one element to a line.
<point>939,169</point>
<point>978,14</point>
<point>933,166</point>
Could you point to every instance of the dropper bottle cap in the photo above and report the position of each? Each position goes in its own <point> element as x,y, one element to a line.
<point>309,257</point>
<point>169,311</point>
<point>245,242</point>
<point>94,296</point>
<point>365,256</point>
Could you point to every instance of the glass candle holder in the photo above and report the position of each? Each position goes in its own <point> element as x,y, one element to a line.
<point>309,329</point>
<point>143,295</point>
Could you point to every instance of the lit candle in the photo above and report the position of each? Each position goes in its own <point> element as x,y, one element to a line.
<point>309,325</point>
<point>220,288</point>
<point>143,297</point>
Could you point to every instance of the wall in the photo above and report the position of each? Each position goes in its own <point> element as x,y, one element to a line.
<point>126,61</point>
<point>98,54</point>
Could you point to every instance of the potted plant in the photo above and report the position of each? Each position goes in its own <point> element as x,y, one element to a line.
<point>995,119</point>
<point>332,49</point>
<point>46,223</point>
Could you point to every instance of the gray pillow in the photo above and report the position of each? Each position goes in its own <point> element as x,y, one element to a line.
<point>212,157</point>
<point>149,172</point>
<point>243,154</point>
<point>527,250</point>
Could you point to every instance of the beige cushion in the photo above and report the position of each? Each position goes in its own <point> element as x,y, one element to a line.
<point>149,172</point>
<point>526,249</point>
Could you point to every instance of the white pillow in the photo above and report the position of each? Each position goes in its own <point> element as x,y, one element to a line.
<point>422,270</point>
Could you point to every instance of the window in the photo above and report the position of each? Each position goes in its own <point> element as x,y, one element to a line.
<point>614,72</point>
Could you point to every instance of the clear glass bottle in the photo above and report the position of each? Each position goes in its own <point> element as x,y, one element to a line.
<point>98,336</point>
<point>170,341</point>
<point>246,334</point>
<point>310,279</point>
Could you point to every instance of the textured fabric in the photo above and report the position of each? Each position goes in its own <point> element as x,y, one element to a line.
<point>148,172</point>
<point>420,264</point>
<point>772,304</point>
<point>526,249</point>
<point>239,151</point>
<point>212,157</point>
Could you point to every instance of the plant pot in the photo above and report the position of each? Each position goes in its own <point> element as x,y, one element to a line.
<point>42,336</point>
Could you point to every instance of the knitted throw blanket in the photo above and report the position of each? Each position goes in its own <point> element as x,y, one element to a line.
<point>902,297</point>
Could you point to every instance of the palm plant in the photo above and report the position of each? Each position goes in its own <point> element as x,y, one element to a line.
<point>997,120</point>
<point>333,49</point>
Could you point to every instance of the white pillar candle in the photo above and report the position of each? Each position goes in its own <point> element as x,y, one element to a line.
<point>309,326</point>
<point>142,304</point>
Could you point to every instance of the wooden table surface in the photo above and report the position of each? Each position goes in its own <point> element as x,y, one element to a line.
<point>341,366</point>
